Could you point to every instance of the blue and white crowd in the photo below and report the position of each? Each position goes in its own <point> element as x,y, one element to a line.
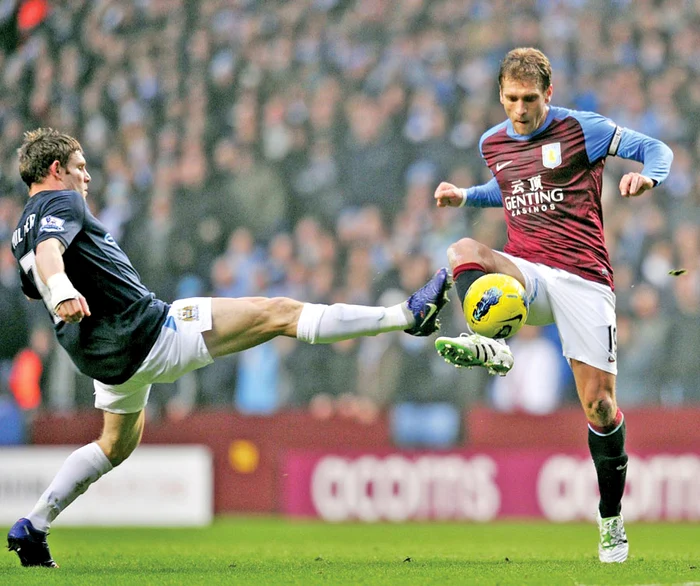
<point>242,147</point>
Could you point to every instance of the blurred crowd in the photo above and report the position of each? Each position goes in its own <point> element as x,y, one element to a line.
<point>242,147</point>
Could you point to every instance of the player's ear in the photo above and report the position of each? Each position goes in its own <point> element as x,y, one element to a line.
<point>55,169</point>
<point>548,94</point>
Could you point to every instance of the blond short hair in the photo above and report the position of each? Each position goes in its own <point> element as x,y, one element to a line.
<point>41,147</point>
<point>526,63</point>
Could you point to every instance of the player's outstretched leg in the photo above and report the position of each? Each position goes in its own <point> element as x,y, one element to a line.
<point>475,350</point>
<point>426,303</point>
<point>613,546</point>
<point>30,545</point>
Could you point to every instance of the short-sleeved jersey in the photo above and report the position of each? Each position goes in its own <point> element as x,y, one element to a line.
<point>126,319</point>
<point>551,183</point>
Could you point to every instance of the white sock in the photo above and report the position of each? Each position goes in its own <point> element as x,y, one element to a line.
<point>325,324</point>
<point>79,471</point>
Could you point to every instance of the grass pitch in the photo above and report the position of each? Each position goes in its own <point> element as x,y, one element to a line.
<point>279,551</point>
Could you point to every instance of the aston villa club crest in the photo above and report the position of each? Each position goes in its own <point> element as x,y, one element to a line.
<point>551,155</point>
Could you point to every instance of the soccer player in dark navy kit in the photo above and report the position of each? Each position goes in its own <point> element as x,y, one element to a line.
<point>547,165</point>
<point>118,333</point>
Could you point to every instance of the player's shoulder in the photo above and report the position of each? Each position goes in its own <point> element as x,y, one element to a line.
<point>67,194</point>
<point>598,131</point>
<point>494,130</point>
<point>56,196</point>
<point>584,117</point>
<point>501,126</point>
<point>60,201</point>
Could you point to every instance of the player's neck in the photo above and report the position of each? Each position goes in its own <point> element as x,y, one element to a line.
<point>545,114</point>
<point>48,184</point>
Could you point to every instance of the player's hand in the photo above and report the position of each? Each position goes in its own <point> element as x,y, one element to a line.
<point>72,311</point>
<point>633,184</point>
<point>448,195</point>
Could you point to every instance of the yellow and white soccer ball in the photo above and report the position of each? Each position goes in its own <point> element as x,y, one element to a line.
<point>495,306</point>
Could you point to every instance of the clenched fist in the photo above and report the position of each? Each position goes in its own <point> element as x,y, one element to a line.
<point>448,195</point>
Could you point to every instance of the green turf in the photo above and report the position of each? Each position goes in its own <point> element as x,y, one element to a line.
<point>278,551</point>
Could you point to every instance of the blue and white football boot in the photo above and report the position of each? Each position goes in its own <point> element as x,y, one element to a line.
<point>30,545</point>
<point>426,303</point>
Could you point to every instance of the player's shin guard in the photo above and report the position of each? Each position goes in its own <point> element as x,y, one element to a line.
<point>607,449</point>
<point>464,275</point>
<point>82,468</point>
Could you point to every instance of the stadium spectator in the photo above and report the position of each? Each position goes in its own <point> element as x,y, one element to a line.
<point>127,77</point>
<point>642,331</point>
<point>681,376</point>
<point>15,331</point>
<point>534,384</point>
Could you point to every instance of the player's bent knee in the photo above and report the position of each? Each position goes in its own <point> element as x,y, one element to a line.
<point>118,449</point>
<point>282,314</point>
<point>601,411</point>
<point>464,246</point>
<point>468,250</point>
<point>117,453</point>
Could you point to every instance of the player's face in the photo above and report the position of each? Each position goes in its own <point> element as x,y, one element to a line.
<point>525,103</point>
<point>75,175</point>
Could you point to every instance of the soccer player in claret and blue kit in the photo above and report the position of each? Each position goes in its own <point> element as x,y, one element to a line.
<point>118,333</point>
<point>547,165</point>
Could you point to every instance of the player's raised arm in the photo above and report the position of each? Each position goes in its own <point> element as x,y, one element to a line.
<point>633,184</point>
<point>66,302</point>
<point>449,196</point>
<point>487,195</point>
<point>654,154</point>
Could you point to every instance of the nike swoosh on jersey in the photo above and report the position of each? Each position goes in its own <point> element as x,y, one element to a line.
<point>622,466</point>
<point>502,165</point>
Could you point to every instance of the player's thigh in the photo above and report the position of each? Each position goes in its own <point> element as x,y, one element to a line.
<point>126,398</point>
<point>535,278</point>
<point>241,323</point>
<point>179,349</point>
<point>468,250</point>
<point>584,312</point>
<point>505,264</point>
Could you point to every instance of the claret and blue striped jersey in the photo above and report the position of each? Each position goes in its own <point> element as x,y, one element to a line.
<point>550,185</point>
<point>126,319</point>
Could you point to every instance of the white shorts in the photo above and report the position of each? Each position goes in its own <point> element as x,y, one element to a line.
<point>179,349</point>
<point>583,311</point>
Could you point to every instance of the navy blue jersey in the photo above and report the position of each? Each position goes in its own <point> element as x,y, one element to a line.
<point>126,319</point>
